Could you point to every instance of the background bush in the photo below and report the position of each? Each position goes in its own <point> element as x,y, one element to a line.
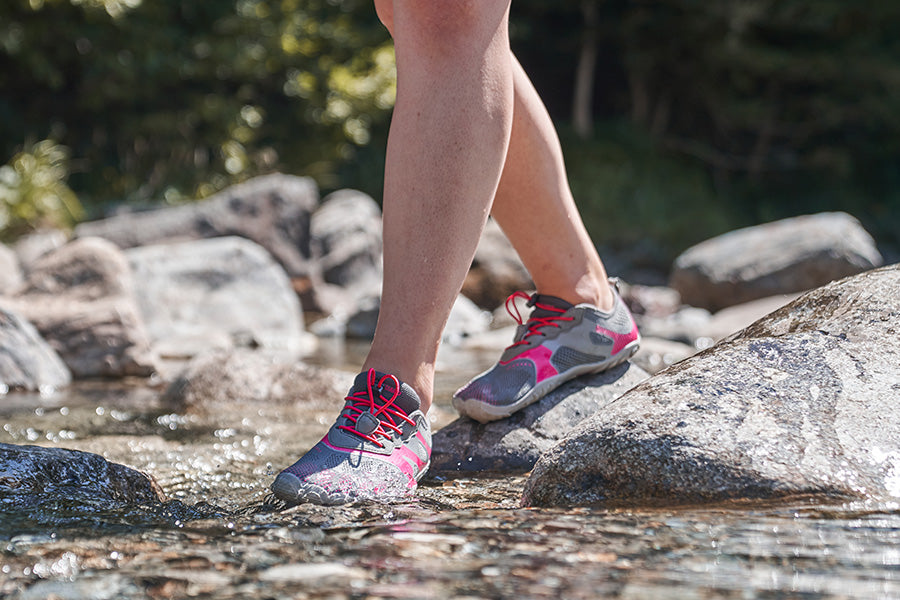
<point>696,117</point>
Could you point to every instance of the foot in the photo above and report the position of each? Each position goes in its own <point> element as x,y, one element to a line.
<point>378,449</point>
<point>559,342</point>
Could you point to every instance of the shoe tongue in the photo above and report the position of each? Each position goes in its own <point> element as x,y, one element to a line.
<point>407,401</point>
<point>539,300</point>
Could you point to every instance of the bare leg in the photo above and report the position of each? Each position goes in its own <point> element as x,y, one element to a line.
<point>534,206</point>
<point>559,341</point>
<point>446,151</point>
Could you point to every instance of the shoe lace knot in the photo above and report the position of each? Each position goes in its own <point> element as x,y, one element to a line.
<point>371,413</point>
<point>544,315</point>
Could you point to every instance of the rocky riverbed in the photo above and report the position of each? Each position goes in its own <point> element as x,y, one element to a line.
<point>220,535</point>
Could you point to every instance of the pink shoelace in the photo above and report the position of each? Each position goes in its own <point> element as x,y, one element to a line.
<point>534,323</point>
<point>364,401</point>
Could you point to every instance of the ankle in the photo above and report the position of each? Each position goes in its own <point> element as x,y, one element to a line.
<point>586,291</point>
<point>600,294</point>
<point>420,379</point>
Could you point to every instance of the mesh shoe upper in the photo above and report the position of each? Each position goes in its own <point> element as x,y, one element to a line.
<point>558,342</point>
<point>378,448</point>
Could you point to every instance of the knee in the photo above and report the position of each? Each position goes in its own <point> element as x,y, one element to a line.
<point>448,23</point>
<point>385,11</point>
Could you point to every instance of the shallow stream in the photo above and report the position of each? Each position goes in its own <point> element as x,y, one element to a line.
<point>221,535</point>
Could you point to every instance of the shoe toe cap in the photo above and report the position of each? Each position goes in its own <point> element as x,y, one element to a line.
<point>293,490</point>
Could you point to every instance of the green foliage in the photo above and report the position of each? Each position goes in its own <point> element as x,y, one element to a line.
<point>168,99</point>
<point>710,114</point>
<point>33,191</point>
<point>633,195</point>
<point>760,108</point>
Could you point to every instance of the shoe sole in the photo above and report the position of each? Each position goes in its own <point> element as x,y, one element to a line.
<point>291,489</point>
<point>485,413</point>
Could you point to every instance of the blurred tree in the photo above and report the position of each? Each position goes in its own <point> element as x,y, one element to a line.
<point>175,99</point>
<point>790,105</point>
<point>773,107</point>
<point>748,86</point>
<point>33,191</point>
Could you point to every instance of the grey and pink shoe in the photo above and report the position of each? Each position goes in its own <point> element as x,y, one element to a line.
<point>559,342</point>
<point>378,449</point>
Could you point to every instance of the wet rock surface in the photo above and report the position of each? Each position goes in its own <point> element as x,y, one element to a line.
<point>222,536</point>
<point>515,444</point>
<point>216,439</point>
<point>791,255</point>
<point>81,298</point>
<point>204,294</point>
<point>45,472</point>
<point>801,402</point>
<point>26,361</point>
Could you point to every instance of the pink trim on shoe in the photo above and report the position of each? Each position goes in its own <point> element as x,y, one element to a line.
<point>540,356</point>
<point>620,340</point>
<point>424,443</point>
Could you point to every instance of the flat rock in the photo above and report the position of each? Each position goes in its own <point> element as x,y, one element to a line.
<point>204,294</point>
<point>44,472</point>
<point>81,299</point>
<point>252,377</point>
<point>514,444</point>
<point>791,255</point>
<point>10,272</point>
<point>273,210</point>
<point>804,401</point>
<point>27,362</point>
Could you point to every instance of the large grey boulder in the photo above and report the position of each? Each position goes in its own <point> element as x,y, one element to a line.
<point>791,255</point>
<point>515,444</point>
<point>10,272</point>
<point>45,472</point>
<point>81,299</point>
<point>221,292</point>
<point>273,210</point>
<point>27,362</point>
<point>804,401</point>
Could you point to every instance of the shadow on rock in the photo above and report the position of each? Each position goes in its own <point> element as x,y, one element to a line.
<point>514,444</point>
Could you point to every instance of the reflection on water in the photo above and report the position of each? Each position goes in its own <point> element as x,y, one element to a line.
<point>222,535</point>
